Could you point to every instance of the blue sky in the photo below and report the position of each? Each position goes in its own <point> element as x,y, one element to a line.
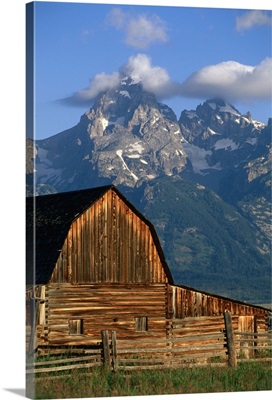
<point>184,55</point>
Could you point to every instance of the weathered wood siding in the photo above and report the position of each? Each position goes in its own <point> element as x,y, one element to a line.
<point>109,243</point>
<point>128,309</point>
<point>103,307</point>
<point>191,303</point>
<point>198,337</point>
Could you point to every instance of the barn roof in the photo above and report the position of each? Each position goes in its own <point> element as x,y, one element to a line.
<point>48,219</point>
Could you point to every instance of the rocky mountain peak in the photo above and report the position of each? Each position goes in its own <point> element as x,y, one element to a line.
<point>218,137</point>
<point>220,105</point>
<point>128,92</point>
<point>121,104</point>
<point>126,138</point>
<point>215,120</point>
<point>214,111</point>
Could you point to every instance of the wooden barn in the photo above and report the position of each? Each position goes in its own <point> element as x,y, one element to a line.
<point>94,263</point>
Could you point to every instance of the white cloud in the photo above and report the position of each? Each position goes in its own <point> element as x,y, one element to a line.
<point>251,19</point>
<point>154,79</point>
<point>117,18</point>
<point>230,80</point>
<point>100,83</point>
<point>141,31</point>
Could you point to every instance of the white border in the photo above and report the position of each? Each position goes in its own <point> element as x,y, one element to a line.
<point>12,68</point>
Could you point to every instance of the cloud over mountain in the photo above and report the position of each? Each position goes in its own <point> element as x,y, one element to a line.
<point>100,83</point>
<point>139,67</point>
<point>229,80</point>
<point>154,79</point>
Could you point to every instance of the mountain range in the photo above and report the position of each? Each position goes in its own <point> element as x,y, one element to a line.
<point>203,180</point>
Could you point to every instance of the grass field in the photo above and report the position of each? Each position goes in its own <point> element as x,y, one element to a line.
<point>102,383</point>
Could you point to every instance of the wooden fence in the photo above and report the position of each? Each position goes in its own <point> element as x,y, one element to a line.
<point>253,346</point>
<point>189,342</point>
<point>64,359</point>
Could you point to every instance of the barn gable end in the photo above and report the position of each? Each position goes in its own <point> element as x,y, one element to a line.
<point>110,243</point>
<point>93,235</point>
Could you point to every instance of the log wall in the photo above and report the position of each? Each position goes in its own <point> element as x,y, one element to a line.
<point>144,313</point>
<point>76,314</point>
<point>94,308</point>
<point>109,243</point>
<point>191,303</point>
<point>198,338</point>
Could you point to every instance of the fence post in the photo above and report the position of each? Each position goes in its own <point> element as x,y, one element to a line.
<point>230,340</point>
<point>255,343</point>
<point>114,350</point>
<point>106,347</point>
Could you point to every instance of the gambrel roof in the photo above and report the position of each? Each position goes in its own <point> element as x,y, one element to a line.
<point>48,221</point>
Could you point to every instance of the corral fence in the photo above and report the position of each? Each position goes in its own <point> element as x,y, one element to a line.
<point>195,341</point>
<point>65,358</point>
<point>252,346</point>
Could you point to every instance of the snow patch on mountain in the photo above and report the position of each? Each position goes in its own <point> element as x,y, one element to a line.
<point>219,119</point>
<point>228,109</point>
<point>105,123</point>
<point>125,93</point>
<point>154,120</point>
<point>226,144</point>
<point>45,170</point>
<point>137,146</point>
<point>258,125</point>
<point>120,155</point>
<point>212,132</point>
<point>198,158</point>
<point>133,155</point>
<point>252,141</point>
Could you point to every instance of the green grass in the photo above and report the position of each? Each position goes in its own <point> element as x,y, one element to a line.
<point>103,383</point>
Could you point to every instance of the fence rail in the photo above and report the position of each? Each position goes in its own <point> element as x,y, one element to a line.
<point>210,342</point>
<point>67,358</point>
<point>253,346</point>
